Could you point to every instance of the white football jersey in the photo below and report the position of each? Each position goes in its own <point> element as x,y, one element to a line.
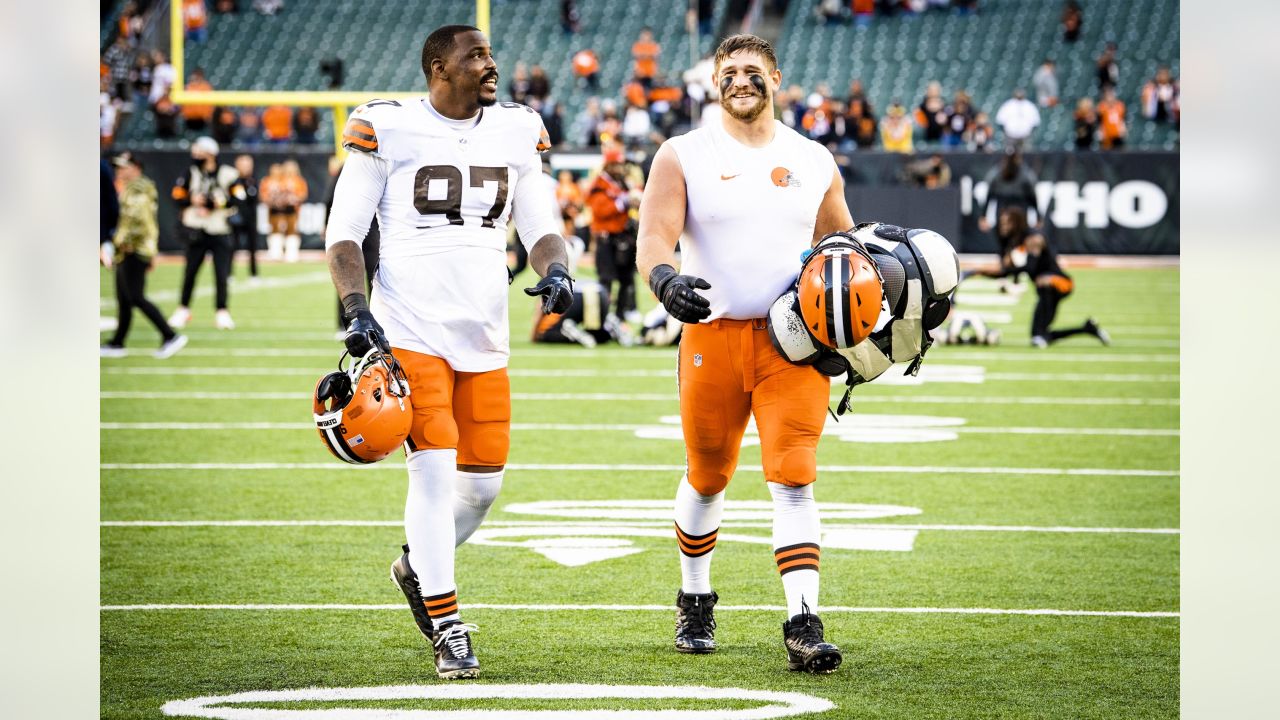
<point>750,214</point>
<point>444,191</point>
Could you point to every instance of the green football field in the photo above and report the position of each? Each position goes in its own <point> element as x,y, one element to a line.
<point>1000,534</point>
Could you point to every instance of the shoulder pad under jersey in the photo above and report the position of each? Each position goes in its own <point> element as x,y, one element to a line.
<point>360,133</point>
<point>531,119</point>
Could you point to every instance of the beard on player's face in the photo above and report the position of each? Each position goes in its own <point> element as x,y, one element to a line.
<point>731,100</point>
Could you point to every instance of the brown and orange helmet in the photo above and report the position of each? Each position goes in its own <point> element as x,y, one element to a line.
<point>363,413</point>
<point>840,292</point>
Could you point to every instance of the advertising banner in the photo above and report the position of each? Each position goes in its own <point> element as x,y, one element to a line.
<point>1093,202</point>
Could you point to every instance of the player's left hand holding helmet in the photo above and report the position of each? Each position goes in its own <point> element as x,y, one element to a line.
<point>846,317</point>
<point>556,289</point>
<point>836,304</point>
<point>364,334</point>
<point>363,413</point>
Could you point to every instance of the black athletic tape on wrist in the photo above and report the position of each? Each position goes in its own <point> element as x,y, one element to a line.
<point>556,268</point>
<point>659,277</point>
<point>354,303</point>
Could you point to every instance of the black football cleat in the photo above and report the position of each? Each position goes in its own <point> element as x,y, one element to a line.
<point>806,650</point>
<point>1091,327</point>
<point>455,659</point>
<point>696,622</point>
<point>405,579</point>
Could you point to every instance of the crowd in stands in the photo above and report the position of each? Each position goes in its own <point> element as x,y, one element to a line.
<point>659,100</point>
<point>138,81</point>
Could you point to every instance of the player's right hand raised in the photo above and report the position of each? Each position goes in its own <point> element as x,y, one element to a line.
<point>364,334</point>
<point>678,296</point>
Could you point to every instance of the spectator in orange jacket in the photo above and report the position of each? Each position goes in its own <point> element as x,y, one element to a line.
<point>646,52</point>
<point>587,66</point>
<point>1111,119</point>
<point>197,117</point>
<point>277,123</point>
<point>195,18</point>
<point>569,196</point>
<point>611,199</point>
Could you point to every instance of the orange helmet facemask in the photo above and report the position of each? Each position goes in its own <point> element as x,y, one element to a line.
<point>840,292</point>
<point>363,413</point>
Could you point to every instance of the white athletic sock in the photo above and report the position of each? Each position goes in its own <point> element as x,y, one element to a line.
<point>796,535</point>
<point>472,498</point>
<point>428,525</point>
<point>292,244</point>
<point>697,524</point>
<point>275,246</point>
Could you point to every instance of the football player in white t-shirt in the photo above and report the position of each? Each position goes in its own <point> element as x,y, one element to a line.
<point>444,174</point>
<point>749,195</point>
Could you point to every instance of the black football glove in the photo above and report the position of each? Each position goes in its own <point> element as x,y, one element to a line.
<point>677,294</point>
<point>364,334</point>
<point>556,290</point>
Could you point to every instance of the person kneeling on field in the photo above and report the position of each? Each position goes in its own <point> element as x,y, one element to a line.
<point>1052,287</point>
<point>588,321</point>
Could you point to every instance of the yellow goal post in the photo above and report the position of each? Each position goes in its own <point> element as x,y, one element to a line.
<point>338,100</point>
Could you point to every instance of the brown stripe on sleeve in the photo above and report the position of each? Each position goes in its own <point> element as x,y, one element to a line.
<point>359,135</point>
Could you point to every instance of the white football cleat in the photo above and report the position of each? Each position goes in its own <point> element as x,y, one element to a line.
<point>180,318</point>
<point>1039,342</point>
<point>574,332</point>
<point>171,348</point>
<point>222,320</point>
<point>112,351</point>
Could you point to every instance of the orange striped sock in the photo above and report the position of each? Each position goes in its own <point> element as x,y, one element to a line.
<point>696,545</point>
<point>442,608</point>
<point>801,556</point>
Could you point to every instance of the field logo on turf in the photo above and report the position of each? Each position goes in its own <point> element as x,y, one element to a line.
<point>604,529</point>
<point>855,427</point>
<point>347,703</point>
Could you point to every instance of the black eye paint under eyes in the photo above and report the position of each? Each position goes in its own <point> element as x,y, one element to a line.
<point>757,81</point>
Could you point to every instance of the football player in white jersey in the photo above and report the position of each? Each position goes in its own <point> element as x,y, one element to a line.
<point>749,195</point>
<point>444,173</point>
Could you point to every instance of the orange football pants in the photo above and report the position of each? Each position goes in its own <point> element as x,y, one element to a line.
<point>729,371</point>
<point>467,411</point>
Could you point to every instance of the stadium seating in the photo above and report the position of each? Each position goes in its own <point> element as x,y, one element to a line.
<point>895,57</point>
<point>251,52</point>
<point>988,55</point>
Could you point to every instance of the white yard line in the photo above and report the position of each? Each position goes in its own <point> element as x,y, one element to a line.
<point>669,355</point>
<point>603,467</point>
<point>664,397</point>
<point>237,286</point>
<point>658,608</point>
<point>1132,432</point>
<point>1172,331</point>
<point>646,523</point>
<point>1049,355</point>
<point>602,373</point>
<point>1146,343</point>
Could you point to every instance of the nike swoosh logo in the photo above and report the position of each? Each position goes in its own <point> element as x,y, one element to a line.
<point>729,177</point>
